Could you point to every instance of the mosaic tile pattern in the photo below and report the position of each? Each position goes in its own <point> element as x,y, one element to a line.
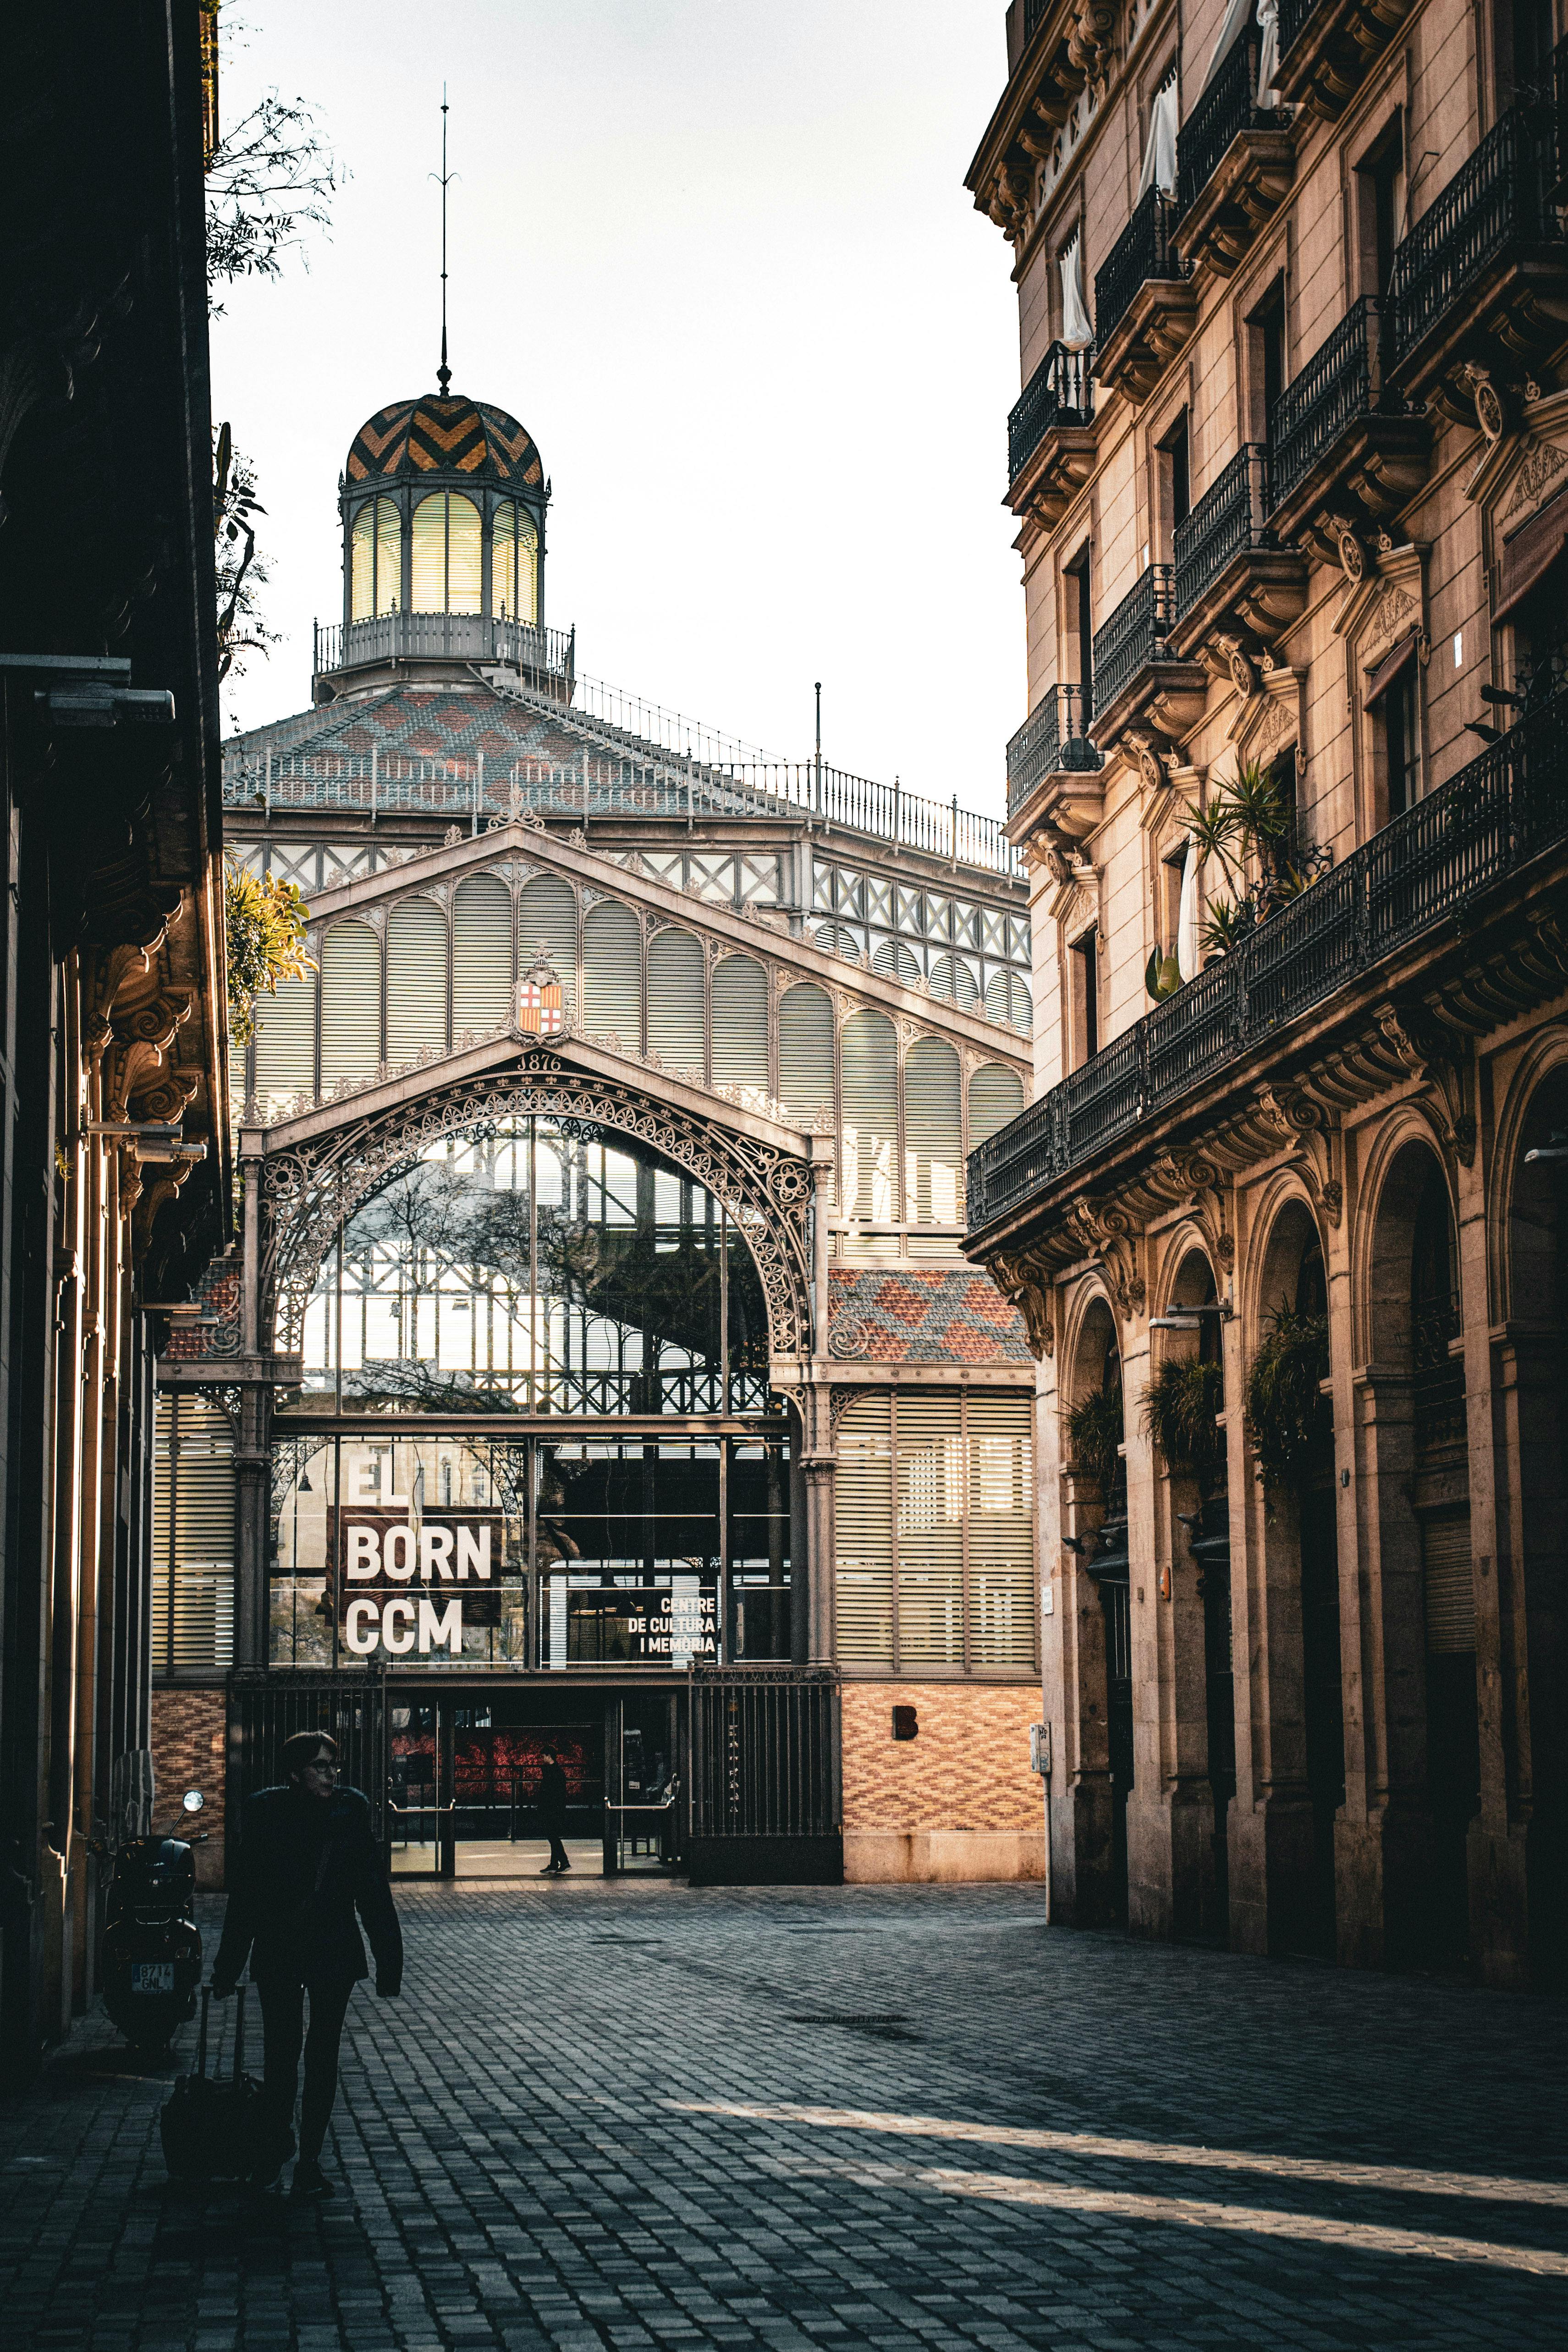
<point>910,1316</point>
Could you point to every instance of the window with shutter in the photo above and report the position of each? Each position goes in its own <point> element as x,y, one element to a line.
<point>351,1002</point>
<point>192,1536</point>
<point>465,546</point>
<point>415,980</point>
<point>806,1050</point>
<point>1002,1597</point>
<point>894,961</point>
<point>362,563</point>
<point>952,978</point>
<point>547,919</point>
<point>995,1096</point>
<point>482,955</point>
<point>863,1519</point>
<point>869,1055</point>
<point>929,1446</point>
<point>428,586</point>
<point>503,562</point>
<point>934,1172</point>
<point>389,556</point>
<point>1450,1587</point>
<point>741,1024</point>
<point>612,972</point>
<point>676,1000</point>
<point>834,940</point>
<point>286,1040</point>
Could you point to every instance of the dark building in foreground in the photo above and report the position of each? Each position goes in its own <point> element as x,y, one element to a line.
<point>113,1113</point>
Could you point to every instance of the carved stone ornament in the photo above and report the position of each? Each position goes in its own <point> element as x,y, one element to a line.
<point>1310,1135</point>
<point>307,1192</point>
<point>1187,1179</point>
<point>1024,1280</point>
<point>1441,1061</point>
<point>1107,1232</point>
<point>1239,665</point>
<point>1492,413</point>
<point>1541,463</point>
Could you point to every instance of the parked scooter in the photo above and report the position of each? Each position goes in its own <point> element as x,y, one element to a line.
<point>152,1950</point>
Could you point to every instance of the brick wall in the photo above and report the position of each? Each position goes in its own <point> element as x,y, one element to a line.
<point>968,1768</point>
<point>188,1753</point>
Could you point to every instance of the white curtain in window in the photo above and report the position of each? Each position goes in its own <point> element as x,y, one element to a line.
<point>1237,16</point>
<point>1160,154</point>
<point>1268,52</point>
<point>1077,331</point>
<point>1187,914</point>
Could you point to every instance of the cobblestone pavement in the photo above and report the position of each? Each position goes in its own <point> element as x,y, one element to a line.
<point>611,2115</point>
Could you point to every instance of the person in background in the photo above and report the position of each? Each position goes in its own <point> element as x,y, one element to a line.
<point>308,1861</point>
<point>552,1810</point>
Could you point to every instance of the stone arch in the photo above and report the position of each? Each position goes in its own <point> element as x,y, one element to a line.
<point>309,1189</point>
<point>1389,1162</point>
<point>1286,1233</point>
<point>1534,1107</point>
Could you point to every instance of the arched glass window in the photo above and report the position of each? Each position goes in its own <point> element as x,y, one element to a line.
<point>377,564</point>
<point>514,564</point>
<point>447,558</point>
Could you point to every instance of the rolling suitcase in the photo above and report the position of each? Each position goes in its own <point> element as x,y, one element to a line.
<point>212,2129</point>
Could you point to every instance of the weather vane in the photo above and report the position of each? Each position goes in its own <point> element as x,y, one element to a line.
<point>444,374</point>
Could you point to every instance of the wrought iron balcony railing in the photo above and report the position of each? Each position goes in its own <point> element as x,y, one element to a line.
<point>1500,196</point>
<point>1343,381</point>
<point>1060,392</point>
<point>462,636</point>
<point>1227,108</point>
<point>1054,735</point>
<point>1485,823</point>
<point>1142,251</point>
<point>1293,18</point>
<point>1134,635</point>
<point>1231,517</point>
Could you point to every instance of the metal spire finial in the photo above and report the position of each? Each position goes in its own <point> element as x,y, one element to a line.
<point>444,374</point>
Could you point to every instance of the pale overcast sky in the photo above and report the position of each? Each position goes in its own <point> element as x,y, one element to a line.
<point>718,257</point>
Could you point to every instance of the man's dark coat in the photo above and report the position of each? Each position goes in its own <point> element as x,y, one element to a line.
<point>304,1867</point>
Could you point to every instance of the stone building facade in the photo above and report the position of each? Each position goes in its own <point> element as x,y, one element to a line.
<point>1285,1219</point>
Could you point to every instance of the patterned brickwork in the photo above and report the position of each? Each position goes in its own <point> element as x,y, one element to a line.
<point>188,1748</point>
<point>967,1768</point>
<point>920,1317</point>
<point>451,436</point>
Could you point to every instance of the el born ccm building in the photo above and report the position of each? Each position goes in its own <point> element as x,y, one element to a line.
<point>599,1346</point>
<point>1291,469</point>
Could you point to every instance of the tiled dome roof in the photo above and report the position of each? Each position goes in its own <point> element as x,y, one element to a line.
<point>416,438</point>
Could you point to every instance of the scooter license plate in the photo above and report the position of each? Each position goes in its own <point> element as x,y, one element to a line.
<point>152,1975</point>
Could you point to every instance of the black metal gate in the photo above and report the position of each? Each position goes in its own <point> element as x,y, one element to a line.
<point>265,1709</point>
<point>764,1806</point>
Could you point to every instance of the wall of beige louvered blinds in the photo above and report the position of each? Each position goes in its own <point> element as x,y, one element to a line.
<point>193,1536</point>
<point>906,1118</point>
<point>935,1552</point>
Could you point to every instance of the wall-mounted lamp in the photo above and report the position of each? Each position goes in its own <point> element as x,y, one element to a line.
<point>1555,1149</point>
<point>1177,1317</point>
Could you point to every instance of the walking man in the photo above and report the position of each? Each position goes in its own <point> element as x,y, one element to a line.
<point>307,1862</point>
<point>553,1812</point>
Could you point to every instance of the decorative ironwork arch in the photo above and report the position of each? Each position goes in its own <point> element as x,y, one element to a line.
<point>307,1190</point>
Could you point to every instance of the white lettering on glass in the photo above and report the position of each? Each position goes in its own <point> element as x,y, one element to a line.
<point>360,1627</point>
<point>443,1630</point>
<point>364,1555</point>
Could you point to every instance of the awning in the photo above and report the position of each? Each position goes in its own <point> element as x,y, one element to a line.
<point>1530,553</point>
<point>1392,665</point>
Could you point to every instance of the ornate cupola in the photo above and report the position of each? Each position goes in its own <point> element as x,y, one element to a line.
<point>443,502</point>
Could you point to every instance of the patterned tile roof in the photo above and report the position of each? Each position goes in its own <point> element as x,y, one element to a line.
<point>910,1314</point>
<point>415,437</point>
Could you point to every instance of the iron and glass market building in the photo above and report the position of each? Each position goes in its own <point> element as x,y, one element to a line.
<point>1289,466</point>
<point>599,1365</point>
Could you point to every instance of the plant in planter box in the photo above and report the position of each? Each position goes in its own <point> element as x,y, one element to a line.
<point>1093,1429</point>
<point>1179,1408</point>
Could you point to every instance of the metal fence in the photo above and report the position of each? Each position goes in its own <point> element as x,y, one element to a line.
<point>1340,382</point>
<point>1498,196</point>
<point>460,636</point>
<point>1231,517</point>
<point>265,1709</point>
<point>763,1789</point>
<point>1134,635</point>
<point>1227,107</point>
<point>1054,735</point>
<point>1485,823</point>
<point>1060,392</point>
<point>1142,251</point>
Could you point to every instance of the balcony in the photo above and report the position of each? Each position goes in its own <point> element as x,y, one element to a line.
<point>1051,435</point>
<point>1233,165</point>
<point>1326,47</point>
<point>1347,452</point>
<point>1483,826</point>
<point>1484,272</point>
<point>1146,305</point>
<point>547,657</point>
<point>1135,675</point>
<point>1233,582</point>
<point>1053,769</point>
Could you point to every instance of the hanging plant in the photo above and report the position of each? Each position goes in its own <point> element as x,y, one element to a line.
<point>1289,1421</point>
<point>265,925</point>
<point>1179,1408</point>
<point>1093,1429</point>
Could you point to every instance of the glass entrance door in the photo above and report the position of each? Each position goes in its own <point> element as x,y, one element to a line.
<point>643,1791</point>
<point>420,1808</point>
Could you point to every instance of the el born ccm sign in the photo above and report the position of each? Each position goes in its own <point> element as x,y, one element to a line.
<point>388,1552</point>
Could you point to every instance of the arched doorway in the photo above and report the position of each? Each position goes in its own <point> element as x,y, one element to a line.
<point>1191,1380</point>
<point>1095,1440</point>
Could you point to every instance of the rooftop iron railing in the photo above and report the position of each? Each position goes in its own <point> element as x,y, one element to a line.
<point>1499,196</point>
<point>1054,735</point>
<point>1225,109</point>
<point>1134,635</point>
<point>1341,382</point>
<point>1142,252</point>
<point>1231,517</point>
<point>1060,392</point>
<point>429,637</point>
<point>1486,823</point>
